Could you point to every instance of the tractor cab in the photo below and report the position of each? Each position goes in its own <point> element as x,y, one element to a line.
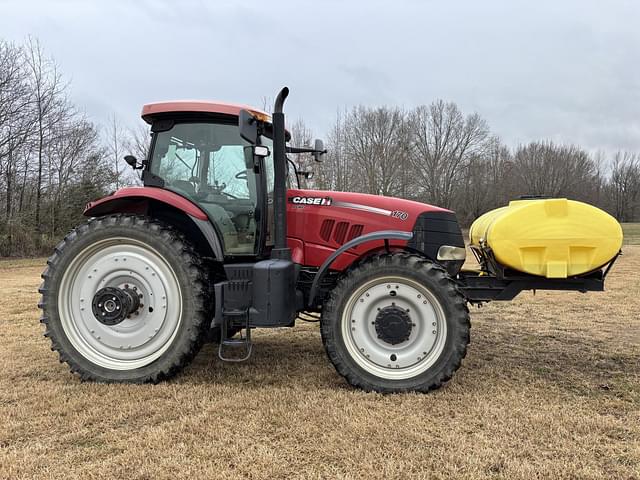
<point>201,156</point>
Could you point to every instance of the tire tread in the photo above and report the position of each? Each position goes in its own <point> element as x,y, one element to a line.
<point>421,266</point>
<point>197,276</point>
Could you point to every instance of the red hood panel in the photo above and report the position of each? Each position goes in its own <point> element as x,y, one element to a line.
<point>325,220</point>
<point>374,211</point>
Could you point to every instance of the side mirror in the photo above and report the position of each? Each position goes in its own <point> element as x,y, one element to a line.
<point>319,150</point>
<point>248,126</point>
<point>132,161</point>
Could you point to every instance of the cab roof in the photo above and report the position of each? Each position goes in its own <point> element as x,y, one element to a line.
<point>152,110</point>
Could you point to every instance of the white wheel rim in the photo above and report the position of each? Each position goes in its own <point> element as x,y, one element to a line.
<point>411,357</point>
<point>136,341</point>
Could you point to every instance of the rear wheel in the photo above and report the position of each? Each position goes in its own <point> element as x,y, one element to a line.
<point>396,323</point>
<point>124,299</point>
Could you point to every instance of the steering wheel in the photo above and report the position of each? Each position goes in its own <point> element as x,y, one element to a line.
<point>241,175</point>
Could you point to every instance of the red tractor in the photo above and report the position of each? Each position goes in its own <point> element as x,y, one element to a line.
<point>217,242</point>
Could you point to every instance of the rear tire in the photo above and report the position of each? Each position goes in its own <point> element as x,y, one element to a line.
<point>153,343</point>
<point>395,323</point>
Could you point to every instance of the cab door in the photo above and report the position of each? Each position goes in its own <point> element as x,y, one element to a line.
<point>210,164</point>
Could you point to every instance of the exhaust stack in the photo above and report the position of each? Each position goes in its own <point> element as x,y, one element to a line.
<point>280,249</point>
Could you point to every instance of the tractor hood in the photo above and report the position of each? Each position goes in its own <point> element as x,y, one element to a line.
<point>322,221</point>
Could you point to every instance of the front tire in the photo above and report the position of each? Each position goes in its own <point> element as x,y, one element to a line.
<point>396,323</point>
<point>137,255</point>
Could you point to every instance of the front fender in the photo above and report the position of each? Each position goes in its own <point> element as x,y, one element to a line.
<point>380,235</point>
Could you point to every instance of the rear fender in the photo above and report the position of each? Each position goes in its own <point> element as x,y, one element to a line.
<point>143,200</point>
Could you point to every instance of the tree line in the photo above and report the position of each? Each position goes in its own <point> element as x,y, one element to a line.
<point>436,154</point>
<point>53,159</point>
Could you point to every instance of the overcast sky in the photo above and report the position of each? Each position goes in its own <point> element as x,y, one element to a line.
<point>562,70</point>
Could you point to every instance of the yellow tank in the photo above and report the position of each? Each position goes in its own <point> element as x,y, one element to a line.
<point>553,238</point>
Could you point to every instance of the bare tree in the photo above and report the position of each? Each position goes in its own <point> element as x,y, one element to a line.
<point>335,172</point>
<point>15,117</point>
<point>266,103</point>
<point>545,168</point>
<point>486,183</point>
<point>137,141</point>
<point>50,102</point>
<point>74,142</point>
<point>625,186</point>
<point>301,136</point>
<point>115,146</point>
<point>376,141</point>
<point>443,141</point>
<point>44,147</point>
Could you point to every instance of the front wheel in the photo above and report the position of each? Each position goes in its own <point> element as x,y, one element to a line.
<point>124,299</point>
<point>396,323</point>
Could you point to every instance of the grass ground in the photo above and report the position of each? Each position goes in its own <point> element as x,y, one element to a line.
<point>550,388</point>
<point>631,233</point>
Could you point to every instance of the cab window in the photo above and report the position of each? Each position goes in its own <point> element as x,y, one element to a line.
<point>207,163</point>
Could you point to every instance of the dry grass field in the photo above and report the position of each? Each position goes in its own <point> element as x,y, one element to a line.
<point>631,233</point>
<point>550,388</point>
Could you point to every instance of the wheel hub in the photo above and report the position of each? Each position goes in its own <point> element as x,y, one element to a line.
<point>393,325</point>
<point>111,305</point>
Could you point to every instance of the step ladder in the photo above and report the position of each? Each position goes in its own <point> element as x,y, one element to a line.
<point>242,344</point>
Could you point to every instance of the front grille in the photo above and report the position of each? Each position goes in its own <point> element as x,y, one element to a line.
<point>434,229</point>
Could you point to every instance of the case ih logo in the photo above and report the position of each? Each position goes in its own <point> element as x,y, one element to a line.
<point>310,200</point>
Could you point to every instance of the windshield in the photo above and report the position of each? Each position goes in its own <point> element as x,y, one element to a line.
<point>202,157</point>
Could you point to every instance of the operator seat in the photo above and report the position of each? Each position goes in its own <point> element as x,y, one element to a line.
<point>222,219</point>
<point>186,187</point>
<point>218,215</point>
